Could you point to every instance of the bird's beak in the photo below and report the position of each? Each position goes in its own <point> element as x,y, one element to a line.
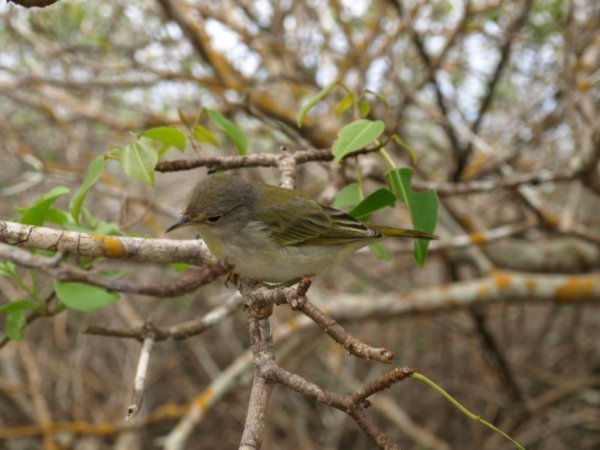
<point>183,221</point>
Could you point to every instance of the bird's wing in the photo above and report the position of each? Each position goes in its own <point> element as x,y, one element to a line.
<point>344,229</point>
<point>301,221</point>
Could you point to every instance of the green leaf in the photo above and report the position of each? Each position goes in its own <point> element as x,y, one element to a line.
<point>233,132</point>
<point>94,225</point>
<point>344,104</point>
<point>404,145</point>
<point>348,197</point>
<point>138,161</point>
<point>58,216</point>
<point>83,297</point>
<point>364,109</point>
<point>374,201</point>
<point>35,214</point>
<point>379,251</point>
<point>115,152</point>
<point>112,274</point>
<point>379,97</point>
<point>355,136</point>
<point>180,267</point>
<point>312,102</point>
<point>108,228</point>
<point>93,174</point>
<point>204,135</point>
<point>167,135</point>
<point>17,304</point>
<point>15,317</point>
<point>7,269</point>
<point>423,207</point>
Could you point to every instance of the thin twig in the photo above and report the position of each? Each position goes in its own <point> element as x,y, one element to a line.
<point>179,331</point>
<point>237,162</point>
<point>140,379</point>
<point>353,405</point>
<point>296,298</point>
<point>339,334</point>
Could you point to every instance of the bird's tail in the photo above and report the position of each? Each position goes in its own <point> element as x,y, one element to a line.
<point>403,232</point>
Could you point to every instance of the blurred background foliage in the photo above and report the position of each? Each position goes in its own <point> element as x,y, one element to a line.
<point>481,91</point>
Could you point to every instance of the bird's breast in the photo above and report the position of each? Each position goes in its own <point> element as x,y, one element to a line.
<point>257,256</point>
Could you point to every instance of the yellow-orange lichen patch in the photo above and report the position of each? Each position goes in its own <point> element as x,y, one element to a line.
<point>583,85</point>
<point>326,309</point>
<point>502,281</point>
<point>288,327</point>
<point>452,302</point>
<point>530,285</point>
<point>477,238</point>
<point>466,222</point>
<point>575,288</point>
<point>484,291</point>
<point>293,324</point>
<point>167,411</point>
<point>443,288</point>
<point>111,246</point>
<point>104,428</point>
<point>204,399</point>
<point>99,429</point>
<point>552,220</point>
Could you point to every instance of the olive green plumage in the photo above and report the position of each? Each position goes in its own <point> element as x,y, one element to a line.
<point>275,234</point>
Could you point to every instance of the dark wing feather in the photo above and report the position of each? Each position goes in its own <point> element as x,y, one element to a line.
<point>344,229</point>
<point>294,219</point>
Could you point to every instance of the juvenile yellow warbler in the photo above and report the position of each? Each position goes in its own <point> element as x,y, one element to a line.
<point>273,234</point>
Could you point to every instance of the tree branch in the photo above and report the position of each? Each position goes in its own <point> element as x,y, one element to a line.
<point>263,354</point>
<point>179,331</point>
<point>190,251</point>
<point>189,282</point>
<point>296,298</point>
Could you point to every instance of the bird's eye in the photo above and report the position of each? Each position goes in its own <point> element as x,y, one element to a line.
<point>213,219</point>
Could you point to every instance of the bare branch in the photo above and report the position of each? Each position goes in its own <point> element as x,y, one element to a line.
<point>483,237</point>
<point>470,187</point>
<point>136,249</point>
<point>189,282</point>
<point>340,335</point>
<point>237,162</point>
<point>179,331</point>
<point>296,298</point>
<point>501,286</point>
<point>263,354</point>
<point>140,378</point>
<point>381,383</point>
<point>353,405</point>
<point>256,418</point>
<point>40,405</point>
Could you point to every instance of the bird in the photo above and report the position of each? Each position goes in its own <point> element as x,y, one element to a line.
<point>276,235</point>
